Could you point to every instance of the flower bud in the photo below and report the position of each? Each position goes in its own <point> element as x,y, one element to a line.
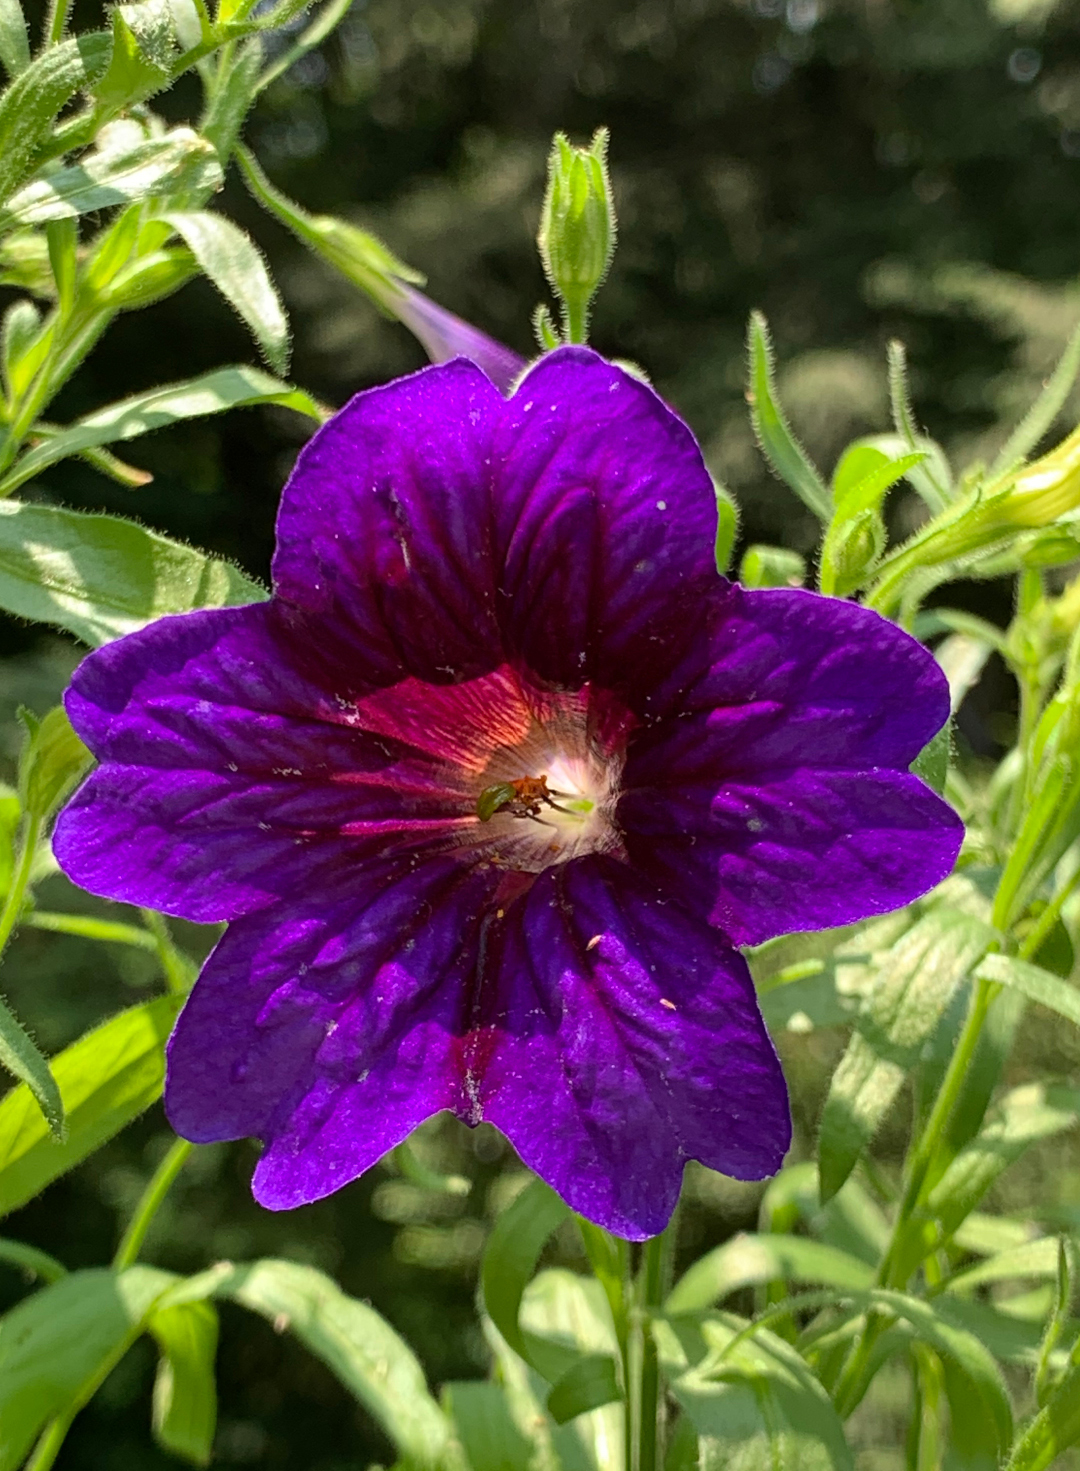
<point>1046,489</point>
<point>577,227</point>
<point>853,550</point>
<point>764,566</point>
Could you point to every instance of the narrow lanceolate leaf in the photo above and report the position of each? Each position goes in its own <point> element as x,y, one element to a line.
<point>213,393</point>
<point>1034,982</point>
<point>185,1392</point>
<point>486,1427</point>
<point>179,160</point>
<point>52,761</point>
<point>1055,1428</point>
<point>513,1251</point>
<point>1040,417</point>
<point>30,104</point>
<point>748,1261</point>
<point>100,577</point>
<point>567,1327</point>
<point>1032,1259</point>
<point>779,446</point>
<point>1025,1115</point>
<point>144,46</point>
<point>359,1346</point>
<point>14,43</point>
<point>25,1063</point>
<point>914,985</point>
<point>754,1402</point>
<point>235,265</point>
<point>57,1346</point>
<point>106,1079</point>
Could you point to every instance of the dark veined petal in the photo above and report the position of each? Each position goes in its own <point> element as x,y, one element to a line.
<point>770,790</point>
<point>384,535</point>
<point>802,850</point>
<point>621,1038</point>
<point>328,1028</point>
<point>606,518</point>
<point>229,780</point>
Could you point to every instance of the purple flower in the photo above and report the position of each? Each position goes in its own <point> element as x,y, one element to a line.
<point>473,592</point>
<point>444,336</point>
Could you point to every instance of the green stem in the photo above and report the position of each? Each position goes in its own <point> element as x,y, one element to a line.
<point>576,321</point>
<point>175,965</point>
<point>48,1447</point>
<point>149,1204</point>
<point>56,24</point>
<point>655,1271</point>
<point>9,915</point>
<point>91,929</point>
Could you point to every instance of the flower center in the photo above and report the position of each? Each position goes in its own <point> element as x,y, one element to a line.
<point>516,776</point>
<point>547,799</point>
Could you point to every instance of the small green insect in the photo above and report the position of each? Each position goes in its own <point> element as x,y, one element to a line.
<point>523,797</point>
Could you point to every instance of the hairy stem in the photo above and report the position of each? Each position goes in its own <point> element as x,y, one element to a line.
<point>150,1203</point>
<point>9,915</point>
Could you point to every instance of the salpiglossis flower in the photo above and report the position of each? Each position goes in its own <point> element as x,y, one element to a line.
<point>472,591</point>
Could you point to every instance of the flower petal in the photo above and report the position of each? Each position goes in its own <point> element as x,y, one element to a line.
<point>606,518</point>
<point>770,787</point>
<point>800,850</point>
<point>622,1038</point>
<point>384,534</point>
<point>229,780</point>
<point>328,1028</point>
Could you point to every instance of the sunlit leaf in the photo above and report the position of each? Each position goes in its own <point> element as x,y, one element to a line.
<point>57,1346</point>
<point>178,160</point>
<point>30,1067</point>
<point>100,577</point>
<point>754,1403</point>
<point>779,446</point>
<point>1034,982</point>
<point>913,987</point>
<point>747,1261</point>
<point>213,393</point>
<point>482,1417</point>
<point>235,265</point>
<point>106,1079</point>
<point>185,1391</point>
<point>359,1346</point>
<point>30,104</point>
<point>14,42</point>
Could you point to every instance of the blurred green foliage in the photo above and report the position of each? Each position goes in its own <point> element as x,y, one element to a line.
<point>859,169</point>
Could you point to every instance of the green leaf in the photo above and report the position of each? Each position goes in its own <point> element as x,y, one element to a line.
<point>864,474</point>
<point>754,1402</point>
<point>144,46</point>
<point>22,334</point>
<point>486,1427</point>
<point>236,266</point>
<point>185,1393</point>
<point>510,1259</point>
<point>178,160</point>
<point>29,1260</point>
<point>1055,1428</point>
<point>14,43</point>
<point>747,1261</point>
<point>727,527</point>
<point>57,1346</point>
<point>975,1379</point>
<point>1026,1114</point>
<point>100,577</point>
<point>913,987</point>
<point>232,96</point>
<point>213,393</point>
<point>1040,417</point>
<point>784,453</point>
<point>30,104</point>
<point>359,1346</point>
<point>53,759</point>
<point>587,1385</point>
<point>767,566</point>
<point>927,479</point>
<point>1034,982</point>
<point>1032,1259</point>
<point>567,1328</point>
<point>23,1061</point>
<point>931,765</point>
<point>106,1079</point>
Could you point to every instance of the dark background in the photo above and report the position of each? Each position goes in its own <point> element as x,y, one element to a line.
<point>859,169</point>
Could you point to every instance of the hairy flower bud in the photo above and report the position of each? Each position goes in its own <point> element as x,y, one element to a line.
<point>577,227</point>
<point>854,550</point>
<point>1046,489</point>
